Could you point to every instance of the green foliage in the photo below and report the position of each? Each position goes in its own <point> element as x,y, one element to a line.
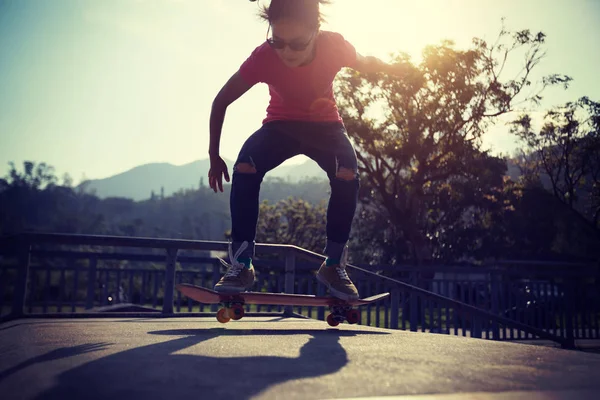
<point>426,183</point>
<point>525,221</point>
<point>32,200</point>
<point>566,151</point>
<point>293,221</point>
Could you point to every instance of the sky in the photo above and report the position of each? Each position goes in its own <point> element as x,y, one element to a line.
<point>95,88</point>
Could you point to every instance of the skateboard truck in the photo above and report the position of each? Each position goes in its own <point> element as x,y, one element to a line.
<point>342,312</point>
<point>232,308</point>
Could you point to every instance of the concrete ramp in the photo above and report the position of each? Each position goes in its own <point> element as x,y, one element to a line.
<point>275,358</point>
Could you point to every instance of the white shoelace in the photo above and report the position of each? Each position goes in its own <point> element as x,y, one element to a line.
<point>342,273</point>
<point>235,267</point>
<point>341,270</point>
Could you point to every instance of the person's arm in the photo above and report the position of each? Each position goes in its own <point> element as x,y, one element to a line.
<point>370,64</point>
<point>231,91</point>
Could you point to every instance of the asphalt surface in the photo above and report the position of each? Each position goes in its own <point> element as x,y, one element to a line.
<point>275,358</point>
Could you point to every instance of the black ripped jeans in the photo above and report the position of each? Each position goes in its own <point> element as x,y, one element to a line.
<point>328,144</point>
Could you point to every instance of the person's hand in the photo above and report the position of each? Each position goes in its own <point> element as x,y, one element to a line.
<point>217,170</point>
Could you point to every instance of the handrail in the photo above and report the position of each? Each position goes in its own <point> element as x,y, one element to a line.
<point>25,240</point>
<point>307,254</point>
<point>128,241</point>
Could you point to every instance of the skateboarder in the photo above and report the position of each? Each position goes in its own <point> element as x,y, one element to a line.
<point>298,62</point>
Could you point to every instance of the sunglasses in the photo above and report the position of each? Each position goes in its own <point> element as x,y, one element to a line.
<point>279,44</point>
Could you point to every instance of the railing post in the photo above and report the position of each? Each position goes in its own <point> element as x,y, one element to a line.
<point>495,298</point>
<point>395,308</point>
<point>413,303</point>
<point>476,326</point>
<point>476,320</point>
<point>290,271</point>
<point>169,281</point>
<point>91,283</point>
<point>321,310</point>
<point>569,313</point>
<point>216,274</point>
<point>24,254</point>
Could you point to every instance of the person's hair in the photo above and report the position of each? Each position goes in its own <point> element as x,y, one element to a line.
<point>305,11</point>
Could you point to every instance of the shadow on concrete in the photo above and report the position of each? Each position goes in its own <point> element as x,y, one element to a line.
<point>155,371</point>
<point>63,352</point>
<point>590,349</point>
<point>3,328</point>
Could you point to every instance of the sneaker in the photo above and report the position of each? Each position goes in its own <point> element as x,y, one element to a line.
<point>238,277</point>
<point>337,280</point>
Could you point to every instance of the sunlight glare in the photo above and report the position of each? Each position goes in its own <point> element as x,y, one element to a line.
<point>383,27</point>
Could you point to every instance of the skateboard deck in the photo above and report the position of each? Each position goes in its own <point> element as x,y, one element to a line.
<point>233,302</point>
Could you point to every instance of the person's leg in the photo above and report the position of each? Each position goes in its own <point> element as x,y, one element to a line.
<point>263,151</point>
<point>336,156</point>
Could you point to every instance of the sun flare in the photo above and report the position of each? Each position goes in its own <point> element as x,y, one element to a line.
<point>382,27</point>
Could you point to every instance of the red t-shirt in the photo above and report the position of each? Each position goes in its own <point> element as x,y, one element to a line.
<point>302,93</point>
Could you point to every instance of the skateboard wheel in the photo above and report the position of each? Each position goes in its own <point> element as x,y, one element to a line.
<point>332,321</point>
<point>353,316</point>
<point>222,317</point>
<point>236,312</point>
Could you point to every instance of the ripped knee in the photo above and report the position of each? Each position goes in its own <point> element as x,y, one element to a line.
<point>245,168</point>
<point>346,174</point>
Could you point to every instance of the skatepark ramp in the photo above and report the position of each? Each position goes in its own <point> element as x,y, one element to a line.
<point>264,358</point>
<point>49,275</point>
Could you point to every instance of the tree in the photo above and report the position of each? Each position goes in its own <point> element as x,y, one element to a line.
<point>33,177</point>
<point>293,221</point>
<point>421,164</point>
<point>67,180</point>
<point>566,151</point>
<point>21,206</point>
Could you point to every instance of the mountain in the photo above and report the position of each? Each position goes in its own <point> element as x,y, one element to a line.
<point>138,183</point>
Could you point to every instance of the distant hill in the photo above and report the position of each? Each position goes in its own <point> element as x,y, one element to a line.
<point>138,183</point>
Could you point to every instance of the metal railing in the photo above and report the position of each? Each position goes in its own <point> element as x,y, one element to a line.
<point>500,304</point>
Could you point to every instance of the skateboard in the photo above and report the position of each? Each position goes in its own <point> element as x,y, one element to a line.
<point>232,304</point>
